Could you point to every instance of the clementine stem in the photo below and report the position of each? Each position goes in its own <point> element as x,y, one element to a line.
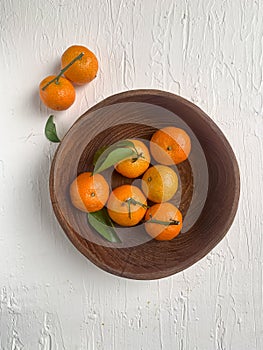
<point>160,222</point>
<point>129,209</point>
<point>139,155</point>
<point>130,201</point>
<point>134,202</point>
<point>63,71</point>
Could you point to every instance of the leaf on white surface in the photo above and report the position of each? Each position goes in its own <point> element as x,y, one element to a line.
<point>50,130</point>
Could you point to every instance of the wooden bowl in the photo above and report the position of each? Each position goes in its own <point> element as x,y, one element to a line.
<point>208,193</point>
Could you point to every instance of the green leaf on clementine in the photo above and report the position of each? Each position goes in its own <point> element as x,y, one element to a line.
<point>103,152</point>
<point>102,223</point>
<point>50,130</point>
<point>112,158</point>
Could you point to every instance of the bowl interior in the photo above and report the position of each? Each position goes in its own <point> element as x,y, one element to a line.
<point>207,210</point>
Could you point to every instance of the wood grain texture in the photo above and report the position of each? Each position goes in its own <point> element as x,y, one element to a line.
<point>137,114</point>
<point>51,297</point>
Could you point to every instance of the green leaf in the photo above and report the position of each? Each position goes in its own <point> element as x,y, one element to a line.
<point>50,130</point>
<point>113,158</point>
<point>102,223</point>
<point>99,153</point>
<point>103,152</point>
<point>122,143</point>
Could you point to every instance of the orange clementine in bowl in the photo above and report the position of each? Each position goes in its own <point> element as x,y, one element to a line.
<point>170,145</point>
<point>135,165</point>
<point>89,193</point>
<point>83,70</point>
<point>159,183</point>
<point>58,95</point>
<point>163,221</point>
<point>127,205</point>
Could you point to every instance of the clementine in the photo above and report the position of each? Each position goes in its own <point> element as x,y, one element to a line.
<point>88,192</point>
<point>58,95</point>
<point>84,69</point>
<point>159,183</point>
<point>170,145</point>
<point>135,166</point>
<point>163,221</point>
<point>127,205</point>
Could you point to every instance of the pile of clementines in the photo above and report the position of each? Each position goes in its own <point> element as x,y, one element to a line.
<point>129,205</point>
<point>79,66</point>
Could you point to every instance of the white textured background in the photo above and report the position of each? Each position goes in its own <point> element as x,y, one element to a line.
<point>51,297</point>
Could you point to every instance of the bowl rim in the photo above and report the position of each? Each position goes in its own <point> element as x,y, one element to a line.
<point>114,99</point>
